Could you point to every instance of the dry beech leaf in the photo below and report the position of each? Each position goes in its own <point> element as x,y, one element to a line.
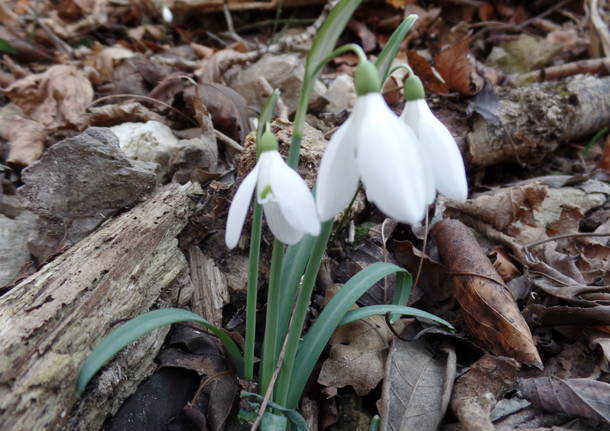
<point>477,391</point>
<point>55,98</point>
<point>413,387</point>
<point>504,265</point>
<point>489,309</point>
<point>228,109</point>
<point>113,114</point>
<point>103,59</point>
<point>586,398</point>
<point>457,70</point>
<point>357,355</point>
<point>604,162</point>
<point>431,79</point>
<point>25,137</point>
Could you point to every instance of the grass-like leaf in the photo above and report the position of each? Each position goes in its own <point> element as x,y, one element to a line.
<point>266,113</point>
<point>326,38</point>
<point>7,47</point>
<point>293,416</point>
<point>376,310</point>
<point>388,54</point>
<point>330,318</point>
<point>138,326</point>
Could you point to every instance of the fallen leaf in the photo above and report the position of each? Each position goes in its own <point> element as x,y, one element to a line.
<point>25,137</point>
<point>368,40</point>
<point>489,310</point>
<point>357,355</point>
<point>228,109</point>
<point>431,78</point>
<point>586,398</point>
<point>399,3</point>
<point>103,59</point>
<point>114,114</point>
<point>413,387</point>
<point>55,98</point>
<point>504,265</point>
<point>478,390</point>
<point>457,70</point>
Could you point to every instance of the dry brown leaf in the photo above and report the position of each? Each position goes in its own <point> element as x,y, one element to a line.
<point>489,310</point>
<point>399,3</point>
<point>478,390</point>
<point>431,79</point>
<point>113,114</point>
<point>586,398</point>
<point>504,265</point>
<point>25,137</point>
<point>357,355</point>
<point>457,70</point>
<point>55,98</point>
<point>103,59</point>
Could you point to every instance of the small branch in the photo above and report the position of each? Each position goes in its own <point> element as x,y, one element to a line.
<point>591,66</point>
<point>558,237</point>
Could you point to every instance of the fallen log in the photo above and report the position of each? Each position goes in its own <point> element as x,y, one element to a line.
<point>525,124</point>
<point>53,319</point>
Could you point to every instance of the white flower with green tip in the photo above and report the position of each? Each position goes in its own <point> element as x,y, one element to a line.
<point>373,145</point>
<point>287,202</point>
<point>440,152</point>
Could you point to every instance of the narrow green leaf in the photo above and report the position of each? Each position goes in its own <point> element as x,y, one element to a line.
<point>273,422</point>
<point>295,261</point>
<point>332,315</point>
<point>388,54</point>
<point>138,326</point>
<point>329,33</point>
<point>401,295</point>
<point>292,415</point>
<point>375,423</point>
<point>377,310</point>
<point>7,47</point>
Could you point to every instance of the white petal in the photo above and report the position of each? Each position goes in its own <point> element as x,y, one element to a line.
<point>412,115</point>
<point>338,174</point>
<point>389,162</point>
<point>293,197</point>
<point>280,228</point>
<point>239,208</point>
<point>264,177</point>
<point>446,159</point>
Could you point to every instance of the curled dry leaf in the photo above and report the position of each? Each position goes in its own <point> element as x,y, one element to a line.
<point>489,310</point>
<point>430,77</point>
<point>103,59</point>
<point>114,114</point>
<point>586,398</point>
<point>413,387</point>
<point>55,98</point>
<point>25,137</point>
<point>357,355</point>
<point>457,69</point>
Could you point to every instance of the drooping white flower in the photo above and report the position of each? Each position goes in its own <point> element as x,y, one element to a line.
<point>375,146</point>
<point>167,14</point>
<point>287,202</point>
<point>439,150</point>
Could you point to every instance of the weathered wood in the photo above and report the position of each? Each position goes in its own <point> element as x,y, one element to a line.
<point>531,121</point>
<point>52,320</point>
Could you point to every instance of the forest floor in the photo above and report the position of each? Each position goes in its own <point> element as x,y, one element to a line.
<point>522,271</point>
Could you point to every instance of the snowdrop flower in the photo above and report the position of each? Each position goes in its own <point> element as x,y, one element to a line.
<point>287,202</point>
<point>375,146</point>
<point>167,14</point>
<point>440,152</point>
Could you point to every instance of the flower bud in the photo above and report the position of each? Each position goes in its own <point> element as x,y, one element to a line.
<point>413,88</point>
<point>366,78</point>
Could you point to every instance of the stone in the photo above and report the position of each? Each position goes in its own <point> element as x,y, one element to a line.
<point>14,251</point>
<point>341,94</point>
<point>80,182</point>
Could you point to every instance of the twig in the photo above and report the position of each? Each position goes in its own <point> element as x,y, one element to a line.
<point>423,251</point>
<point>526,247</point>
<point>228,141</point>
<point>591,66</point>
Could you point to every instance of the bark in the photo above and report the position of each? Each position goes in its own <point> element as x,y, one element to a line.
<point>52,320</point>
<point>531,121</point>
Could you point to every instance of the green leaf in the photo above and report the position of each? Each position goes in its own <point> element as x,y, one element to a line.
<point>330,318</point>
<point>326,38</point>
<point>141,325</point>
<point>292,415</point>
<point>295,261</point>
<point>388,54</point>
<point>273,422</point>
<point>376,310</point>
<point>375,423</point>
<point>7,47</point>
<point>401,295</point>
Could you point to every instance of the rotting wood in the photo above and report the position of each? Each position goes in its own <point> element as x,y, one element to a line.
<point>53,319</point>
<point>533,120</point>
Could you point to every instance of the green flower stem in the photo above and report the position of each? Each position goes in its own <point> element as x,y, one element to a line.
<point>300,312</point>
<point>251,299</point>
<point>398,67</point>
<point>308,81</point>
<point>271,342</point>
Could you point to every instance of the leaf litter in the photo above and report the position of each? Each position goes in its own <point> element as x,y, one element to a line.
<point>538,215</point>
